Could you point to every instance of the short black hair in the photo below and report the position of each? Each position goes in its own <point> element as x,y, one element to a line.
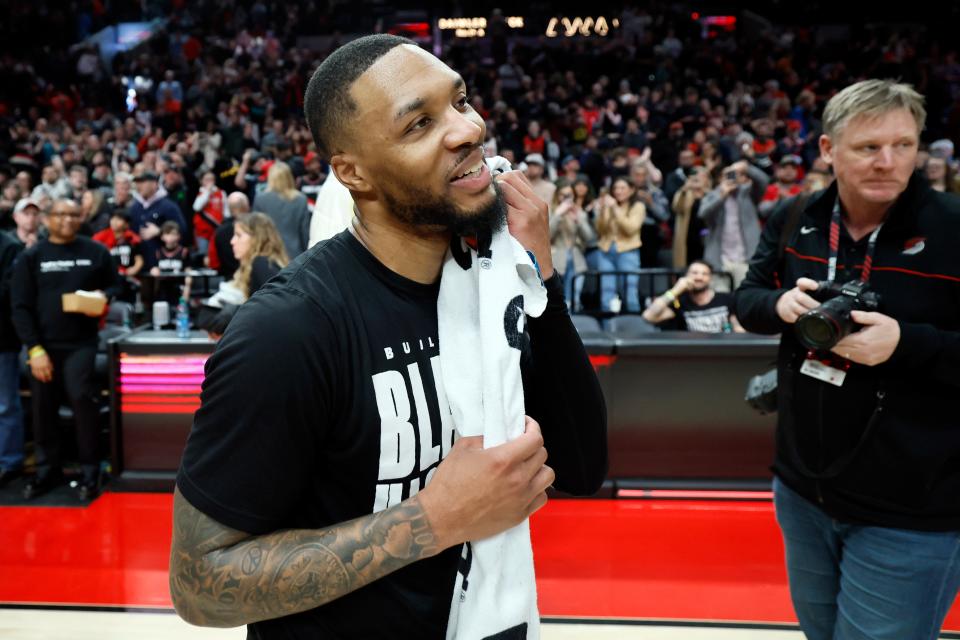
<point>704,263</point>
<point>327,102</point>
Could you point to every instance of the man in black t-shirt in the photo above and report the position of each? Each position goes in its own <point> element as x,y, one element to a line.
<point>321,493</point>
<point>692,305</point>
<point>62,345</point>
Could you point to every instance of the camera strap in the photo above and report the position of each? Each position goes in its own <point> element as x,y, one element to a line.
<point>835,247</point>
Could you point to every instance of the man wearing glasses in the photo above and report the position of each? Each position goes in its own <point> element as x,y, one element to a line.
<point>62,345</point>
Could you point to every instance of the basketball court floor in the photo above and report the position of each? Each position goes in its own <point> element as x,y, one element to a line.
<point>657,569</point>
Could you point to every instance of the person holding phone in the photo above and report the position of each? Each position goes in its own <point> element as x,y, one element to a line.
<point>570,235</point>
<point>731,215</point>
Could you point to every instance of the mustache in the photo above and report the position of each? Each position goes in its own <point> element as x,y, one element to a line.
<point>465,154</point>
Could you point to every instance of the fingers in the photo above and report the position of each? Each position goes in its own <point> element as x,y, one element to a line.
<point>522,185</point>
<point>517,179</point>
<point>867,317</point>
<point>512,196</point>
<point>526,444</point>
<point>807,284</point>
<point>538,459</point>
<point>536,504</point>
<point>806,302</point>
<point>539,484</point>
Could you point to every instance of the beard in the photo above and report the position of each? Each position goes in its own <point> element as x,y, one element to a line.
<point>420,208</point>
<point>700,289</point>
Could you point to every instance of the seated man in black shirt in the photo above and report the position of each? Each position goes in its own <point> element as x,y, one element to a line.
<point>61,345</point>
<point>692,305</point>
<point>321,493</point>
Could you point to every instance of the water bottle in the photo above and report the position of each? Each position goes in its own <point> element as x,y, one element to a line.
<point>183,319</point>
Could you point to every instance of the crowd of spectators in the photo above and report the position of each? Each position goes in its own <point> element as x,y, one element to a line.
<point>654,147</point>
<point>676,147</point>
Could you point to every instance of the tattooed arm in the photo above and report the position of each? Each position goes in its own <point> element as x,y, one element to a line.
<point>221,577</point>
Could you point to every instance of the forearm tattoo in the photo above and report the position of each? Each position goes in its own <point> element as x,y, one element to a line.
<point>222,577</point>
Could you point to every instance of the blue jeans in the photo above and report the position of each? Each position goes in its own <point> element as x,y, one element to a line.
<point>851,582</point>
<point>571,288</point>
<point>613,260</point>
<point>11,413</point>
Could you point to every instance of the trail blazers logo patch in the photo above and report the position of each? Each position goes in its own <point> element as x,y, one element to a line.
<point>913,246</point>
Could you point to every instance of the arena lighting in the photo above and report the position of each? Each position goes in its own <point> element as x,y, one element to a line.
<point>580,27</point>
<point>411,29</point>
<point>474,27</point>
<point>695,494</point>
<point>161,384</point>
<point>723,22</point>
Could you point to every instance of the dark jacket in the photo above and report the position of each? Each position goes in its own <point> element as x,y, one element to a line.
<point>159,211</point>
<point>9,250</point>
<point>906,472</point>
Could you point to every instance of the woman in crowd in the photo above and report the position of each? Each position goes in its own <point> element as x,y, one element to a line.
<point>96,216</point>
<point>618,224</point>
<point>570,235</point>
<point>939,174</point>
<point>287,207</point>
<point>258,248</point>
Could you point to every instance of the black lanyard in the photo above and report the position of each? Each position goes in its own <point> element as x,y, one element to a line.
<point>835,247</point>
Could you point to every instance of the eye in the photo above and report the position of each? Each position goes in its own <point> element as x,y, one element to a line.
<point>421,123</point>
<point>462,102</point>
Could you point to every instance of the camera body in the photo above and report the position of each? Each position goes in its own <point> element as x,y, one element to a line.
<point>730,174</point>
<point>822,328</point>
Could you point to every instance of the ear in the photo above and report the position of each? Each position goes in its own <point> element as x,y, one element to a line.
<point>349,173</point>
<point>826,149</point>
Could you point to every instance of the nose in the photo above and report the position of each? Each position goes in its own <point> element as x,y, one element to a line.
<point>464,129</point>
<point>884,159</point>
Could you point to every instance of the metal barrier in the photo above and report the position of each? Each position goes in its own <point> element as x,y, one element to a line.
<point>650,283</point>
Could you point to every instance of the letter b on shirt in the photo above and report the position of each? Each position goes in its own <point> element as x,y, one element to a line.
<point>398,442</point>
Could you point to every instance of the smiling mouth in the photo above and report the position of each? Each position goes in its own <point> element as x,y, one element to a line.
<point>472,172</point>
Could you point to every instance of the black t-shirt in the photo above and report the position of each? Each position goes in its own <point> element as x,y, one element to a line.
<point>320,406</point>
<point>350,358</point>
<point>43,274</point>
<point>262,270</point>
<point>124,253</point>
<point>175,261</point>
<point>713,317</point>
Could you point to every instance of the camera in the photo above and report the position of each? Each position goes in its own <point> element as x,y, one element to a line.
<point>730,174</point>
<point>825,326</point>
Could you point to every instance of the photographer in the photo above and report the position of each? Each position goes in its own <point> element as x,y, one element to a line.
<point>729,213</point>
<point>867,485</point>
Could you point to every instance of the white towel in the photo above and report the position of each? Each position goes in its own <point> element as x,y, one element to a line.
<point>485,296</point>
<point>333,211</point>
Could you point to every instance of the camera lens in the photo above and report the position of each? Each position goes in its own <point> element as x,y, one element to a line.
<point>826,325</point>
<point>816,331</point>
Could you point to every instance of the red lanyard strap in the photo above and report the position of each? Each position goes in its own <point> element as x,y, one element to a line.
<point>835,247</point>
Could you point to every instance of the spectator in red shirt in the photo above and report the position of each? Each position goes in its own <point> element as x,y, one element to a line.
<point>534,142</point>
<point>210,209</point>
<point>124,244</point>
<point>787,184</point>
